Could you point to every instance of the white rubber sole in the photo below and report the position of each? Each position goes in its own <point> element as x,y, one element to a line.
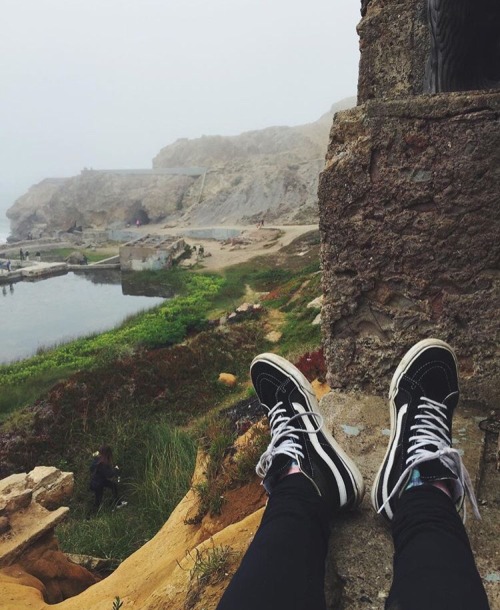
<point>407,360</point>
<point>310,397</point>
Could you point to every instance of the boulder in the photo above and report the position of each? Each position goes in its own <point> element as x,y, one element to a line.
<point>94,564</point>
<point>51,487</point>
<point>12,483</point>
<point>14,501</point>
<point>29,552</point>
<point>61,577</point>
<point>274,336</point>
<point>76,258</point>
<point>228,379</point>
<point>316,303</point>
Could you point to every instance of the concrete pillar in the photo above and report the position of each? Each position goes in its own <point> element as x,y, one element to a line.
<point>410,224</point>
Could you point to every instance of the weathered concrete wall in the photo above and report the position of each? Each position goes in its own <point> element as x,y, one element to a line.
<point>410,226</point>
<point>395,47</point>
<point>144,256</point>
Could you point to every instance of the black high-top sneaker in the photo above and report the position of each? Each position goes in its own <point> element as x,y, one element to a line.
<point>423,395</point>
<point>298,436</point>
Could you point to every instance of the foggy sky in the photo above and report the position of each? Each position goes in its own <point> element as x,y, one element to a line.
<point>107,83</point>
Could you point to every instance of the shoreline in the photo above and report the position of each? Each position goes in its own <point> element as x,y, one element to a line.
<point>219,254</point>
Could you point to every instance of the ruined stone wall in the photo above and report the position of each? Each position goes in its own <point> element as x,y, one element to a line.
<point>395,46</point>
<point>410,227</point>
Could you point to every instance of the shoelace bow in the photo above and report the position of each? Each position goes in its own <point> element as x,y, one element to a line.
<point>432,429</point>
<point>284,437</point>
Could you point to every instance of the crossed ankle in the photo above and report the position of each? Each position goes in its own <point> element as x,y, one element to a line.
<point>415,481</point>
<point>294,469</point>
<point>444,486</point>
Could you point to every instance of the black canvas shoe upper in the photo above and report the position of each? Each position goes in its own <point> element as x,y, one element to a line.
<point>423,396</point>
<point>298,435</point>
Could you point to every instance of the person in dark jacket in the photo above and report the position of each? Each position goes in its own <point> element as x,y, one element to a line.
<point>103,474</point>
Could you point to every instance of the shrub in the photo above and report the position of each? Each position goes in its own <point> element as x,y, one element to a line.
<point>210,564</point>
<point>210,567</point>
<point>312,365</point>
<point>247,457</point>
<point>156,469</point>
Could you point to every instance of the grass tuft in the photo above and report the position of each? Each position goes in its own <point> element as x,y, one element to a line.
<point>210,567</point>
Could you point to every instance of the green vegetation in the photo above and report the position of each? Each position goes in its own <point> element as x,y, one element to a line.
<point>149,389</point>
<point>165,325</point>
<point>61,254</point>
<point>210,564</point>
<point>210,567</point>
<point>249,455</point>
<point>216,438</point>
<point>157,464</point>
<point>15,396</point>
<point>223,471</point>
<point>298,333</point>
<point>168,457</point>
<point>117,603</point>
<point>261,278</point>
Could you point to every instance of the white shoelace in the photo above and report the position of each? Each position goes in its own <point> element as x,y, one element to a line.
<point>284,437</point>
<point>431,429</point>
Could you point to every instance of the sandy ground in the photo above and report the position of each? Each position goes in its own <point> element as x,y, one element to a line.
<point>218,254</point>
<point>250,243</point>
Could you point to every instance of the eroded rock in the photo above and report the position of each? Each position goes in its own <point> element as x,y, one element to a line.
<point>29,552</point>
<point>410,225</point>
<point>51,487</point>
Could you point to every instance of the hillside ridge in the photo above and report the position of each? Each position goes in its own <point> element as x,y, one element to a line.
<point>268,174</point>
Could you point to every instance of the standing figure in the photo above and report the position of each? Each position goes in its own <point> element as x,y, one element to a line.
<point>103,474</point>
<point>21,254</point>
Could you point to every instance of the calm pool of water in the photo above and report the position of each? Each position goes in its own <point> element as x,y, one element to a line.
<point>36,314</point>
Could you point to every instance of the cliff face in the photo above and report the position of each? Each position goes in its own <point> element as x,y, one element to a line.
<point>271,173</point>
<point>96,199</point>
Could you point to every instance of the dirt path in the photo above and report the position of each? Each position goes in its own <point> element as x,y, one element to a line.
<point>218,255</point>
<point>250,243</point>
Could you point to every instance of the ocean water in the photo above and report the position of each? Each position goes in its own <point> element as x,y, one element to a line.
<point>58,309</point>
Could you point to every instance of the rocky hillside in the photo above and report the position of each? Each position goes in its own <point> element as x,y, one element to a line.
<point>269,174</point>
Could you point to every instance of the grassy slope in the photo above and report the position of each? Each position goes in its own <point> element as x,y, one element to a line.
<point>143,398</point>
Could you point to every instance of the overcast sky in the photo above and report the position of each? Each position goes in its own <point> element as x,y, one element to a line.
<point>107,83</point>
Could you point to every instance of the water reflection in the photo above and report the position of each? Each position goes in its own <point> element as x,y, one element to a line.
<point>61,308</point>
<point>130,286</point>
<point>10,290</point>
<point>99,277</point>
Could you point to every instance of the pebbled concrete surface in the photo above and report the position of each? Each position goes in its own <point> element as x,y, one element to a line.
<point>361,544</point>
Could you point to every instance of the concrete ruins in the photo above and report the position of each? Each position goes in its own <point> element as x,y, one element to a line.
<point>151,252</point>
<point>409,203</point>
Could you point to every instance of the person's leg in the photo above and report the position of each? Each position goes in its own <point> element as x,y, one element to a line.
<point>114,488</point>
<point>98,492</point>
<point>433,563</point>
<point>308,478</point>
<point>284,566</point>
<point>422,483</point>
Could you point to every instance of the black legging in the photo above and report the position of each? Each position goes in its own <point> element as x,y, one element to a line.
<point>433,563</point>
<point>99,490</point>
<point>283,568</point>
